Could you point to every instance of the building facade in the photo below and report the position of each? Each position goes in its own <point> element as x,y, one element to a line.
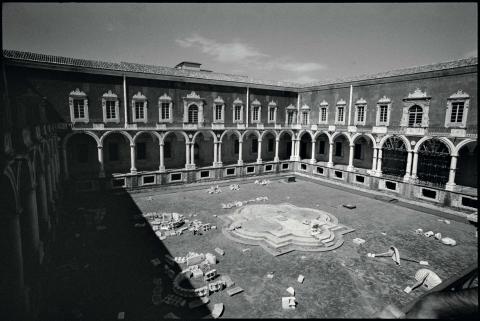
<point>101,125</point>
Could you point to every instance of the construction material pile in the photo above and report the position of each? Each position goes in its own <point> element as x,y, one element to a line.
<point>263,182</point>
<point>241,203</point>
<point>214,190</point>
<point>234,187</point>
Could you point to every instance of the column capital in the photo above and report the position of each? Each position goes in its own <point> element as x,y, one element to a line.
<point>132,145</point>
<point>99,146</point>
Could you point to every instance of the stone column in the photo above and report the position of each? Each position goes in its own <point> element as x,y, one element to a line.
<point>161,168</point>
<point>133,170</point>
<point>192,155</point>
<point>259,158</point>
<point>350,158</point>
<point>44,217</point>
<point>187,154</point>
<point>413,176</point>
<point>277,142</point>
<point>240,149</point>
<point>29,218</point>
<point>215,154</point>
<point>12,289</point>
<point>330,155</point>
<point>379,163</point>
<point>65,163</point>
<point>292,155</point>
<point>100,161</point>
<point>374,160</point>
<point>450,186</point>
<point>219,159</point>
<point>408,169</point>
<point>313,160</point>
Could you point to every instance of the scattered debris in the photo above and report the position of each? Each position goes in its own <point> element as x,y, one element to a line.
<point>289,303</point>
<point>263,182</point>
<point>217,310</point>
<point>228,281</point>
<point>121,316</point>
<point>392,252</point>
<point>358,241</point>
<point>449,241</point>
<point>234,291</point>
<point>246,250</point>
<point>419,231</point>
<point>241,203</point>
<point>214,190</point>
<point>211,259</point>
<point>291,291</point>
<point>210,275</point>
<point>444,221</point>
<point>428,234</point>
<point>306,222</point>
<point>424,277</point>
<point>270,275</point>
<point>438,236</point>
<point>234,187</point>
<point>149,198</point>
<point>300,278</point>
<point>383,233</point>
<point>349,206</point>
<point>219,251</point>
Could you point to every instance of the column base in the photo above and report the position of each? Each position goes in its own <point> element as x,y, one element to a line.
<point>378,173</point>
<point>276,159</point>
<point>295,158</point>
<point>218,164</point>
<point>350,168</point>
<point>313,161</point>
<point>133,171</point>
<point>190,166</point>
<point>450,186</point>
<point>259,161</point>
<point>406,178</point>
<point>240,162</point>
<point>330,164</point>
<point>161,169</point>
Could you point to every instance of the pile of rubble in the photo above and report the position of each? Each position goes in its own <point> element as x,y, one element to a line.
<point>438,236</point>
<point>263,182</point>
<point>234,187</point>
<point>214,190</point>
<point>241,203</point>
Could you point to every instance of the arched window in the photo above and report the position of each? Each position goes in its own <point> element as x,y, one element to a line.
<point>415,114</point>
<point>193,114</point>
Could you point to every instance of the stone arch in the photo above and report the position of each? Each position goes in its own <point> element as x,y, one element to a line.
<point>446,141</point>
<point>187,140</point>
<point>271,131</point>
<point>462,144</point>
<point>9,197</point>
<point>256,132</point>
<point>231,131</point>
<point>69,135</point>
<point>402,137</point>
<point>302,132</point>
<point>151,133</point>
<point>338,134</point>
<point>320,132</point>
<point>358,135</point>
<point>203,132</point>
<point>124,133</point>
<point>288,131</point>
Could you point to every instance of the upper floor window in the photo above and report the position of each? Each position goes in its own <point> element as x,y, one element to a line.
<point>305,115</point>
<point>165,106</point>
<point>291,118</point>
<point>360,111</point>
<point>218,110</point>
<point>383,111</point>
<point>110,106</point>
<point>256,111</point>
<point>193,114</point>
<point>340,117</point>
<point>457,109</point>
<point>272,112</point>
<point>139,105</point>
<point>323,112</point>
<point>415,114</point>
<point>237,111</point>
<point>78,103</point>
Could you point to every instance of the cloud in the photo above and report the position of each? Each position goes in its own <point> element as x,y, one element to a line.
<point>471,53</point>
<point>222,52</point>
<point>244,54</point>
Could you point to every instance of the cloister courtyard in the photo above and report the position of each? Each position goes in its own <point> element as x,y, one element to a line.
<point>100,272</point>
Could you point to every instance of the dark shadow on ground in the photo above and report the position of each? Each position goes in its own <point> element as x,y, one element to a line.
<point>95,274</point>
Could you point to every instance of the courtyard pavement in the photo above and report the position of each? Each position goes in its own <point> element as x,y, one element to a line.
<point>343,283</point>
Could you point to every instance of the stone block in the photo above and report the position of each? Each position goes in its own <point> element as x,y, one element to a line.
<point>195,259</point>
<point>234,291</point>
<point>300,278</point>
<point>228,281</point>
<point>211,259</point>
<point>219,251</point>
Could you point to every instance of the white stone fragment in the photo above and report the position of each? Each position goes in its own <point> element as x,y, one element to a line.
<point>428,234</point>
<point>449,241</point>
<point>358,241</point>
<point>300,278</point>
<point>438,236</point>
<point>291,291</point>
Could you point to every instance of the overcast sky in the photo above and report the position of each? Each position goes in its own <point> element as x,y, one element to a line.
<point>294,42</point>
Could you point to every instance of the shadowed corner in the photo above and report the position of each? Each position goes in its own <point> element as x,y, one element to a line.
<point>103,266</point>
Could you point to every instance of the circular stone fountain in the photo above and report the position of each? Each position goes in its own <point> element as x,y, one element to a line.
<point>281,228</point>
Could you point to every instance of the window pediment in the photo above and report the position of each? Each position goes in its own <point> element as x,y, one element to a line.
<point>238,101</point>
<point>341,102</point>
<point>460,94</point>
<point>291,107</point>
<point>417,94</point>
<point>256,103</point>
<point>109,95</point>
<point>165,98</point>
<point>219,101</point>
<point>77,93</point>
<point>305,107</point>
<point>272,104</point>
<point>324,103</point>
<point>384,100</point>
<point>361,101</point>
<point>193,96</point>
<point>139,96</point>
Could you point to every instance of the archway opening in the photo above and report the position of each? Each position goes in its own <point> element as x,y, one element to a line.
<point>305,146</point>
<point>322,146</point>
<point>230,148</point>
<point>394,157</point>
<point>363,152</point>
<point>116,153</point>
<point>467,171</point>
<point>250,148</point>
<point>433,162</point>
<point>82,156</point>
<point>341,150</point>
<point>147,152</point>
<point>268,147</point>
<point>203,150</point>
<point>174,150</point>
<point>285,146</point>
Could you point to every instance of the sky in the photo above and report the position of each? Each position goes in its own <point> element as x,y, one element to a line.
<point>301,42</point>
